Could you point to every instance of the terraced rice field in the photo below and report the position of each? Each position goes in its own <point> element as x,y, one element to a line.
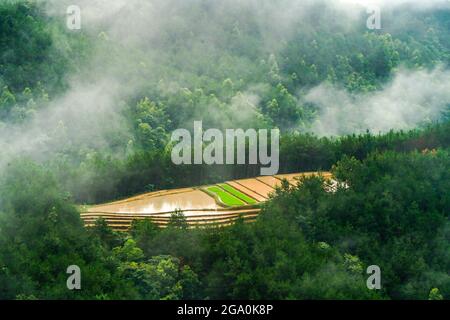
<point>224,197</point>
<point>238,194</point>
<point>294,177</point>
<point>246,191</point>
<point>162,202</point>
<point>218,205</point>
<point>256,186</point>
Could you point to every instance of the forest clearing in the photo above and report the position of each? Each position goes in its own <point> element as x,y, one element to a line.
<point>218,205</point>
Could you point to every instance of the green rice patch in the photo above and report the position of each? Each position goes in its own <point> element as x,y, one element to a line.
<point>226,198</point>
<point>238,194</point>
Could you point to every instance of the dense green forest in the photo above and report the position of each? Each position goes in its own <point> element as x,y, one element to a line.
<point>86,117</point>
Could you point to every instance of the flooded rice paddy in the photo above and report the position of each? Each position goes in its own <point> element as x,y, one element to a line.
<point>200,206</point>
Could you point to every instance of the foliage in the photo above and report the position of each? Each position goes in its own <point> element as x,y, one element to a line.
<point>391,208</point>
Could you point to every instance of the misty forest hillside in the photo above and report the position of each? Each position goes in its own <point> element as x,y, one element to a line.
<point>86,117</point>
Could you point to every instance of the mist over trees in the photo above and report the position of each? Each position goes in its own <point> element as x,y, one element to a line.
<point>86,117</point>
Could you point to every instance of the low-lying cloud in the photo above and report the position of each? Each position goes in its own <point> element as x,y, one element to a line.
<point>86,117</point>
<point>143,32</point>
<point>412,98</point>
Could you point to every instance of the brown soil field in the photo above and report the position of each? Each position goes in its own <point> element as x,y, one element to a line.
<point>246,191</point>
<point>256,186</point>
<point>194,215</point>
<point>220,218</point>
<point>270,180</point>
<point>293,178</point>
